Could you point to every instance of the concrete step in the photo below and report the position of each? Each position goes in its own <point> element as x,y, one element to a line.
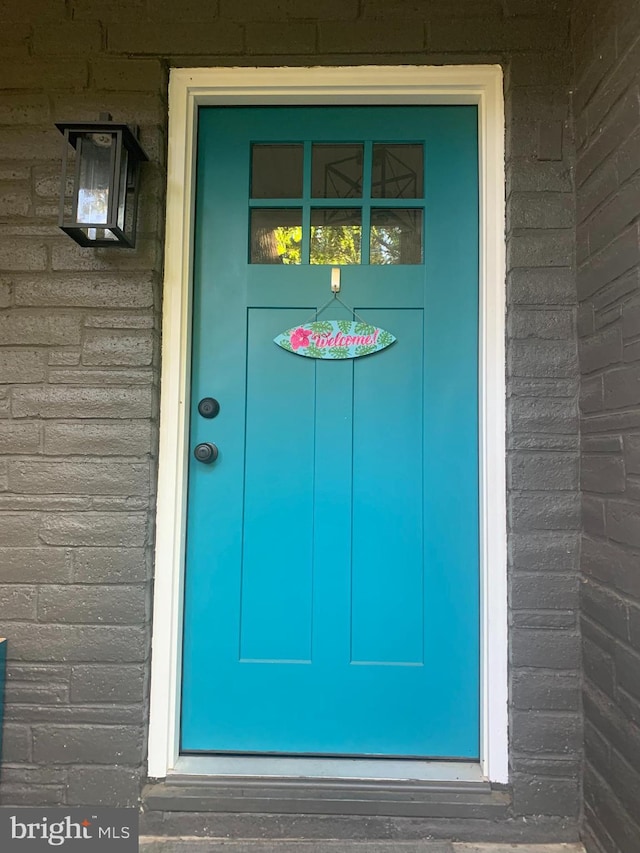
<point>155,844</point>
<point>327,797</point>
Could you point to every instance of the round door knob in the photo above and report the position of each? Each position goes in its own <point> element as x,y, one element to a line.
<point>208,407</point>
<point>206,452</point>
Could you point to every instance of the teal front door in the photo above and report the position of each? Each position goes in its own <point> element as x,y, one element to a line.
<point>332,589</point>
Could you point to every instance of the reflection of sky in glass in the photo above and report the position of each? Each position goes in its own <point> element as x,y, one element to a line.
<point>383,250</point>
<point>92,205</point>
<point>94,151</point>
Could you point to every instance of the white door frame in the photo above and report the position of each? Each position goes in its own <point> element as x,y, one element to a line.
<point>188,89</point>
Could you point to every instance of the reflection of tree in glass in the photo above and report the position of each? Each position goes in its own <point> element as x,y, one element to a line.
<point>335,244</point>
<point>385,245</point>
<point>289,244</point>
<point>263,246</point>
<point>279,245</point>
<point>396,237</point>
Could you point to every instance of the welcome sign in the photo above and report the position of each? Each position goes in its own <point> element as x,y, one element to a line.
<point>333,339</point>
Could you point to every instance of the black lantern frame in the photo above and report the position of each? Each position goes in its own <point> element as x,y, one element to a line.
<point>116,227</point>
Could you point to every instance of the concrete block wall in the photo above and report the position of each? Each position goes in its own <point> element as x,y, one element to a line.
<point>79,370</point>
<point>606,40</point>
<point>542,438</point>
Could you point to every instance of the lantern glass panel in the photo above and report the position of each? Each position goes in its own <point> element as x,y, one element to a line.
<point>95,152</point>
<point>122,188</point>
<point>95,234</point>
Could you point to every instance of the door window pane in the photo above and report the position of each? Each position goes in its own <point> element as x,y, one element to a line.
<point>396,236</point>
<point>276,236</point>
<point>276,171</point>
<point>336,171</point>
<point>336,234</point>
<point>398,171</point>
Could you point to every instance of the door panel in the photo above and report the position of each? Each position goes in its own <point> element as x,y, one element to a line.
<point>276,581</point>
<point>387,616</point>
<point>331,589</point>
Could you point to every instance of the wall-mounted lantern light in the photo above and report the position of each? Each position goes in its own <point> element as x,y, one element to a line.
<point>104,204</point>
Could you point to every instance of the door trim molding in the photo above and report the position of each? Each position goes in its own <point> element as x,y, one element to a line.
<point>190,88</point>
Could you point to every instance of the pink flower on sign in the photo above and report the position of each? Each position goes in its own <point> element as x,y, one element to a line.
<point>300,338</point>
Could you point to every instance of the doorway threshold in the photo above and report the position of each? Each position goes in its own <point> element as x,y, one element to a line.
<point>303,786</point>
<point>379,769</point>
